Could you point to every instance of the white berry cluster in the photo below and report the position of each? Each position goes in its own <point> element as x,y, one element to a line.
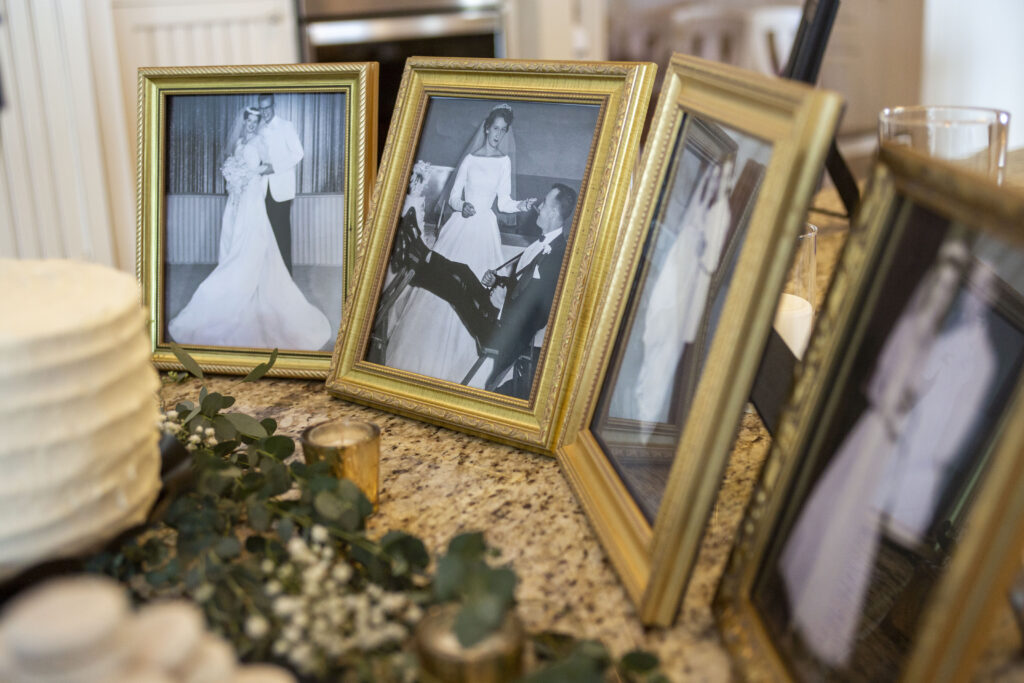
<point>322,615</point>
<point>170,423</point>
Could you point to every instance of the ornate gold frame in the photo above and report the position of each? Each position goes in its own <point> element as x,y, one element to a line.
<point>357,79</point>
<point>963,602</point>
<point>655,563</point>
<point>622,90</point>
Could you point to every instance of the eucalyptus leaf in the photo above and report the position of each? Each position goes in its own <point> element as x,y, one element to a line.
<point>270,424</point>
<point>470,545</point>
<point>576,668</point>
<point>257,515</point>
<point>246,425</point>
<point>501,583</point>
<point>478,618</point>
<point>449,577</point>
<point>261,369</point>
<point>187,361</point>
<point>214,403</point>
<point>279,479</point>
<point>638,661</point>
<point>285,529</point>
<point>361,505</point>
<point>280,447</point>
<point>329,505</point>
<point>398,544</point>
<point>224,430</point>
<point>227,548</point>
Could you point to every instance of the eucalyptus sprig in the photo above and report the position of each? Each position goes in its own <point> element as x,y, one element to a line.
<point>252,508</point>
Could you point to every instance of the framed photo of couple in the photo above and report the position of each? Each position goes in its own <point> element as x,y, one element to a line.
<point>253,185</point>
<point>888,521</point>
<point>729,167</point>
<point>496,211</point>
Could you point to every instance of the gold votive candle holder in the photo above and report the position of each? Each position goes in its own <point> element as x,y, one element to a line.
<point>498,658</point>
<point>352,448</point>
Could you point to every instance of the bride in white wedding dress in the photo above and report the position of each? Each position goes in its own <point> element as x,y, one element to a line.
<point>249,300</point>
<point>429,338</point>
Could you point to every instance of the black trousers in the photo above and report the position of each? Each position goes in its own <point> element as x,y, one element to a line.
<point>280,215</point>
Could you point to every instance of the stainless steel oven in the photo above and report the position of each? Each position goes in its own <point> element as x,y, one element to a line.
<point>389,31</point>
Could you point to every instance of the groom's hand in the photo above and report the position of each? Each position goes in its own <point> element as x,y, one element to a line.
<point>267,169</point>
<point>489,279</point>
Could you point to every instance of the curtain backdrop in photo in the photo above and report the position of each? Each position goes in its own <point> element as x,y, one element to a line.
<point>198,127</point>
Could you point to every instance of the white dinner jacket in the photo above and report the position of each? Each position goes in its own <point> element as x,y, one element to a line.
<point>284,152</point>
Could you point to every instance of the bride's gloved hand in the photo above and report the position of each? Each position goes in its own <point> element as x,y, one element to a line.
<point>468,210</point>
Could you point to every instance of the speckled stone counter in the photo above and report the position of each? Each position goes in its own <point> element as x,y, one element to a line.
<point>437,483</point>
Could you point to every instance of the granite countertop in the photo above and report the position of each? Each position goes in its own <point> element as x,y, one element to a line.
<point>436,483</point>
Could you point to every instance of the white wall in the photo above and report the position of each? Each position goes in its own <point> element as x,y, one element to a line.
<point>974,54</point>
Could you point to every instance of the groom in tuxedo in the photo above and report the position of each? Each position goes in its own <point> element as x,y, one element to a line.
<point>530,279</point>
<point>284,152</point>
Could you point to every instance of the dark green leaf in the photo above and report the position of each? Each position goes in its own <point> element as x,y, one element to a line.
<point>227,548</point>
<point>449,577</point>
<point>279,479</point>
<point>330,505</point>
<point>300,470</point>
<point>279,447</point>
<point>285,529</point>
<point>478,619</point>
<point>501,583</point>
<point>577,668</point>
<point>186,360</point>
<point>270,424</point>
<point>246,425</point>
<point>322,482</point>
<point>398,544</point>
<point>374,567</point>
<point>224,430</point>
<point>165,574</point>
<point>214,403</point>
<point>225,448</point>
<point>258,515</point>
<point>361,505</point>
<point>261,369</point>
<point>470,545</point>
<point>638,661</point>
<point>252,481</point>
<point>193,577</point>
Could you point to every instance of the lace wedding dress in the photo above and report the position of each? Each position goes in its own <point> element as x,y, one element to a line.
<point>249,300</point>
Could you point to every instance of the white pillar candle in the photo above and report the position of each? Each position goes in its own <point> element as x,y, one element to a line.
<point>793,321</point>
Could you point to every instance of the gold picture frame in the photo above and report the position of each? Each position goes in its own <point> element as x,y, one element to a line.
<point>184,260</point>
<point>930,243</point>
<point>710,117</point>
<point>576,126</point>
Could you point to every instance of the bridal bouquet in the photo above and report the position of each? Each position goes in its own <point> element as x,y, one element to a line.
<point>236,173</point>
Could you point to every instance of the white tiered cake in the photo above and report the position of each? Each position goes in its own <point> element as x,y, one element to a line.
<point>78,411</point>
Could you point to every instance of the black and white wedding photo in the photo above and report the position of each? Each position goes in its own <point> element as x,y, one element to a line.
<point>254,219</point>
<point>699,229</point>
<point>483,232</point>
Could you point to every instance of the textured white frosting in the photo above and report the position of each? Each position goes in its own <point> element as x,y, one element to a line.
<point>78,410</point>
